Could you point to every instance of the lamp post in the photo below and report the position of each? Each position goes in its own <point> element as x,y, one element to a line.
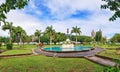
<point>68,33</point>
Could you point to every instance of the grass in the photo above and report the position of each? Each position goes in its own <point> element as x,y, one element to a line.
<point>11,52</point>
<point>110,53</point>
<point>104,46</point>
<point>48,64</point>
<point>27,48</point>
<point>17,50</point>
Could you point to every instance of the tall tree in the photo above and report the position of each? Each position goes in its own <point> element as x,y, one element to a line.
<point>115,38</point>
<point>113,5</point>
<point>50,32</point>
<point>98,36</point>
<point>11,5</point>
<point>44,39</point>
<point>8,26</point>
<point>20,33</point>
<point>38,34</point>
<point>76,30</point>
<point>59,37</point>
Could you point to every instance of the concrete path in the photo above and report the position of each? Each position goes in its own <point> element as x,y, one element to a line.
<point>101,61</point>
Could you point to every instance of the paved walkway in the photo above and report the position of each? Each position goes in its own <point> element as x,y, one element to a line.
<point>101,61</point>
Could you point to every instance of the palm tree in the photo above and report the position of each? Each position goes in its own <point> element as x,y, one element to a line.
<point>50,32</point>
<point>20,33</point>
<point>8,26</point>
<point>38,34</point>
<point>76,30</point>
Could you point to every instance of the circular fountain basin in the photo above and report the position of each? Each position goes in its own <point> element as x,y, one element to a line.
<point>74,49</point>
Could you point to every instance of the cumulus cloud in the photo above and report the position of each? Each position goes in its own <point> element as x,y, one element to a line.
<point>42,13</point>
<point>28,22</point>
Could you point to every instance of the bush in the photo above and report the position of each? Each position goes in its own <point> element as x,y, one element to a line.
<point>9,46</point>
<point>111,69</point>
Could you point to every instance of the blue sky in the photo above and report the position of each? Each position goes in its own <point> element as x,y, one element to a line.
<point>86,14</point>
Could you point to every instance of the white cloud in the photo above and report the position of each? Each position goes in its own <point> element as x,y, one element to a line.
<point>62,9</point>
<point>27,22</point>
<point>2,1</point>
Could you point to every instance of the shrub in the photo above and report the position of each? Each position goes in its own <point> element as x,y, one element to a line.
<point>111,69</point>
<point>9,46</point>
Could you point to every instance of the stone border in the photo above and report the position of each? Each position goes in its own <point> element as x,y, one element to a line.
<point>68,55</point>
<point>92,48</point>
<point>15,55</point>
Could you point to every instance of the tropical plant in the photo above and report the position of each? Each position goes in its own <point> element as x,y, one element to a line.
<point>28,39</point>
<point>38,34</point>
<point>9,46</point>
<point>44,39</point>
<point>113,5</point>
<point>20,34</point>
<point>111,69</point>
<point>59,37</point>
<point>4,39</point>
<point>76,30</point>
<point>8,26</point>
<point>82,38</point>
<point>50,32</point>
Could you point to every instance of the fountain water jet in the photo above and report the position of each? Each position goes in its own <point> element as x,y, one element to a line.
<point>68,44</point>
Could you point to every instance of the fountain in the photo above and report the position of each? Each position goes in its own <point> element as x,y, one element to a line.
<point>68,44</point>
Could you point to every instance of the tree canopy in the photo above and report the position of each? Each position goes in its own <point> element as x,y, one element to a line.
<point>98,36</point>
<point>50,32</point>
<point>38,34</point>
<point>76,30</point>
<point>8,26</point>
<point>113,5</point>
<point>115,38</point>
<point>11,5</point>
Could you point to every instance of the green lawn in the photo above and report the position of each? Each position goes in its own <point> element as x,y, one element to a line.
<point>26,46</point>
<point>25,49</point>
<point>104,46</point>
<point>11,52</point>
<point>110,53</point>
<point>48,64</point>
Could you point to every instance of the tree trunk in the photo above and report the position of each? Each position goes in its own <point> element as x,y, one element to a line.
<point>10,36</point>
<point>76,37</point>
<point>39,39</point>
<point>50,40</point>
<point>20,40</point>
